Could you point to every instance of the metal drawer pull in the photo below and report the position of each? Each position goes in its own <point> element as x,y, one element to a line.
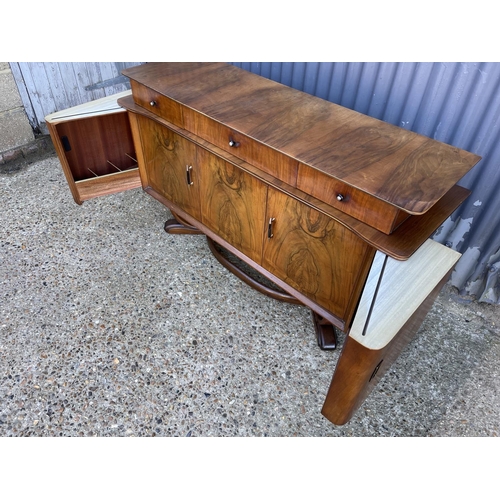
<point>152,103</point>
<point>340,197</point>
<point>233,144</point>
<point>270,228</point>
<point>188,175</point>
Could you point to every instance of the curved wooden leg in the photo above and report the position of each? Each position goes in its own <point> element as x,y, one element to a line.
<point>178,226</point>
<point>325,332</point>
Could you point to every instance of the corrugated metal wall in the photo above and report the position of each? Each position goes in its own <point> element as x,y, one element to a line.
<point>456,103</point>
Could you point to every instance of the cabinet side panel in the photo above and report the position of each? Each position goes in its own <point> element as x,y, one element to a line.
<point>359,368</point>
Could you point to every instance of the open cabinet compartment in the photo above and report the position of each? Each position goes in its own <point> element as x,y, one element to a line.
<point>95,147</point>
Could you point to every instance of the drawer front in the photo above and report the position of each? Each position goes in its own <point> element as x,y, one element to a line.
<point>158,104</point>
<point>266,159</point>
<point>352,201</point>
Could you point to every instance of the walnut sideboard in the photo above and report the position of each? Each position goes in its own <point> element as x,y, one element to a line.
<point>335,208</point>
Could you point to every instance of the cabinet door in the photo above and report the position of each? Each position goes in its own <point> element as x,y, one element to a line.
<point>315,254</point>
<point>95,147</point>
<point>233,204</point>
<point>170,163</point>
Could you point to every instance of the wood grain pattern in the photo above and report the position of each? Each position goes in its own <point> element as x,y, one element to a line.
<point>233,203</point>
<point>267,159</point>
<point>96,149</point>
<point>108,184</point>
<point>314,254</point>
<point>56,140</point>
<point>98,143</point>
<point>385,161</point>
<point>158,104</point>
<point>166,157</point>
<point>400,244</point>
<point>136,135</point>
<point>358,204</point>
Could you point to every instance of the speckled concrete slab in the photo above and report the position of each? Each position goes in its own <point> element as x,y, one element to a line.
<point>111,327</point>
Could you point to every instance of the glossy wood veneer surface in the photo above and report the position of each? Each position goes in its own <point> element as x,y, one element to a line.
<point>400,167</point>
<point>304,247</point>
<point>315,254</point>
<point>233,203</point>
<point>98,145</point>
<point>352,201</point>
<point>166,157</point>
<point>401,244</point>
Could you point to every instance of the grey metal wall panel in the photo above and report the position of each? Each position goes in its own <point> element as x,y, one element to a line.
<point>457,103</point>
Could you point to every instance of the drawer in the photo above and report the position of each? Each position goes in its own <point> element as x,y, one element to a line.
<point>358,204</point>
<point>157,103</point>
<point>263,157</point>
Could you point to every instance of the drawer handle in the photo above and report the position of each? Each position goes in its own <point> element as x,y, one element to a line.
<point>188,175</point>
<point>233,144</point>
<point>270,228</point>
<point>340,197</point>
<point>152,103</point>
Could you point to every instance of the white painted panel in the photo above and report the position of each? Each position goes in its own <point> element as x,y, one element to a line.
<point>402,288</point>
<point>99,107</point>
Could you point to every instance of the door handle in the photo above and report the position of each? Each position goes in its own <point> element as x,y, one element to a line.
<point>270,227</point>
<point>188,175</point>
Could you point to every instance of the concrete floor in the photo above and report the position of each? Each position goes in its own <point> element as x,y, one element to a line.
<point>111,327</point>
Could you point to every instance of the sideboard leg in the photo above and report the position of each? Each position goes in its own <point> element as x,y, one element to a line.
<point>360,368</point>
<point>177,225</point>
<point>325,332</point>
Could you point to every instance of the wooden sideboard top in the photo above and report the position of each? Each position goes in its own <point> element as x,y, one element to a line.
<point>400,167</point>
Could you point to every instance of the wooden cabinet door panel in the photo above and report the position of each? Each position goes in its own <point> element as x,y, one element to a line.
<point>315,254</point>
<point>233,204</point>
<point>167,157</point>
